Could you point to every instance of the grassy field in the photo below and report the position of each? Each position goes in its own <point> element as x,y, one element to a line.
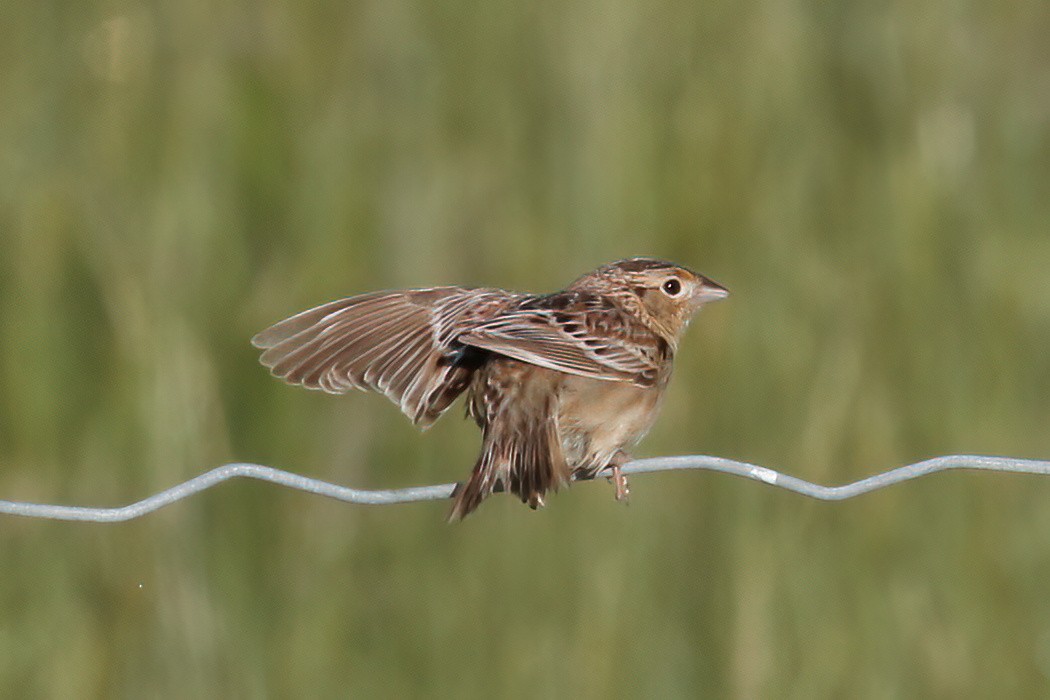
<point>870,179</point>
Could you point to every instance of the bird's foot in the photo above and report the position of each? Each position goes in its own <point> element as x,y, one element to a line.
<point>619,480</point>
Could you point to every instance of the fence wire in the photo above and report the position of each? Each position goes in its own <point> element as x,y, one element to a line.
<point>439,492</point>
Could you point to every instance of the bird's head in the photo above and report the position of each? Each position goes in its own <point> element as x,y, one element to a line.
<point>666,295</point>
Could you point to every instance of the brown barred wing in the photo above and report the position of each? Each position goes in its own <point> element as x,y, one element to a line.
<point>577,333</point>
<point>400,343</point>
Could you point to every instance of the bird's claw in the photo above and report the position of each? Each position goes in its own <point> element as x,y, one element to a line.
<point>619,480</point>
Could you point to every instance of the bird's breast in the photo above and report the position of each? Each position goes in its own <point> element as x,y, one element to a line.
<point>597,418</point>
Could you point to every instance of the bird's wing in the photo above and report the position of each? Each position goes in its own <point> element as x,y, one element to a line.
<point>576,333</point>
<point>400,343</point>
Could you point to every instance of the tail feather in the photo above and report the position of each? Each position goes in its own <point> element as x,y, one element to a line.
<point>525,459</point>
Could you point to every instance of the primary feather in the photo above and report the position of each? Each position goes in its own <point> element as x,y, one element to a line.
<point>399,343</point>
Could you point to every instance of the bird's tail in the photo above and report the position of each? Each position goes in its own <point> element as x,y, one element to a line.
<point>525,459</point>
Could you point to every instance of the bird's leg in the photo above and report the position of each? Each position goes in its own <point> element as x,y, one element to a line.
<point>618,479</point>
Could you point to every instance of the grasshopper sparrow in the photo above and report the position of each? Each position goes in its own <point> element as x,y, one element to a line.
<point>560,384</point>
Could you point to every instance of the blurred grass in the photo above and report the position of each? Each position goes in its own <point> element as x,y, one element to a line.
<point>870,179</point>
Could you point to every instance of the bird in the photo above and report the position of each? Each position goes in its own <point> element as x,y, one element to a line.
<point>561,385</point>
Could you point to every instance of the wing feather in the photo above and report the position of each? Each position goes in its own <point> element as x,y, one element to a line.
<point>397,343</point>
<point>582,335</point>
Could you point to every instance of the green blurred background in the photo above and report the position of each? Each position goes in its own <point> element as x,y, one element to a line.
<point>871,179</point>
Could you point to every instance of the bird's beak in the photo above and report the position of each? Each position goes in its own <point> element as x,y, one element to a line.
<point>709,290</point>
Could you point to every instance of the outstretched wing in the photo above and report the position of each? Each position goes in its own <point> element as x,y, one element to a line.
<point>578,333</point>
<point>400,343</point>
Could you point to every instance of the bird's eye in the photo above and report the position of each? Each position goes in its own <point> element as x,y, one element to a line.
<point>672,287</point>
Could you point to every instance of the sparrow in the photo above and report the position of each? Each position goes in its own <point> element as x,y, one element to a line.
<point>560,384</point>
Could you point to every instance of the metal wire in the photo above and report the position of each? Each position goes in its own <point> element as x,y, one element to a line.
<point>442,491</point>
